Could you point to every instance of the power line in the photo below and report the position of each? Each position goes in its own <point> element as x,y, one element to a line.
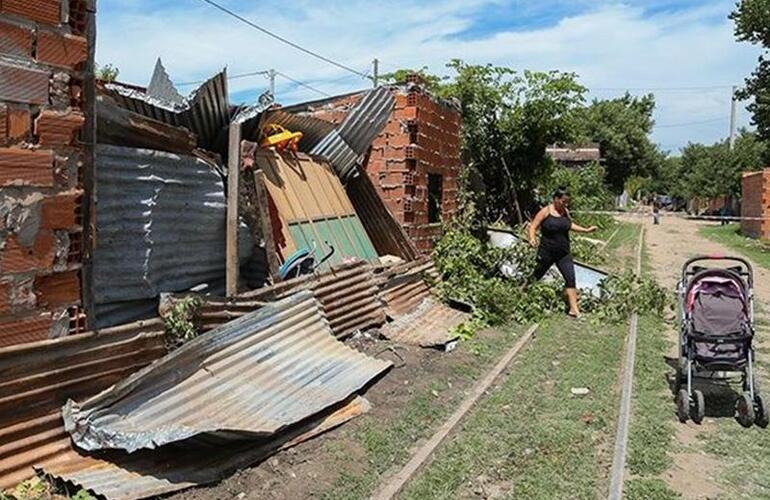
<point>233,77</point>
<point>712,120</point>
<point>309,87</point>
<point>282,39</point>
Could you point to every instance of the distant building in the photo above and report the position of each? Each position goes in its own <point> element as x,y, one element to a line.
<point>574,155</point>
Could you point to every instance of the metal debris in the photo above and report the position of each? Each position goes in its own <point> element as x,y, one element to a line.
<point>161,87</point>
<point>429,325</point>
<point>253,376</point>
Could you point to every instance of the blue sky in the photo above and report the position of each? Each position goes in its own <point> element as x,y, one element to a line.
<point>654,46</point>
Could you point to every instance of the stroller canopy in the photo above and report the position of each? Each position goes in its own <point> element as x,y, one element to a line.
<point>717,301</point>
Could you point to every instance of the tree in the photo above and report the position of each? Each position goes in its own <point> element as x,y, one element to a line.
<point>752,24</point>
<point>715,170</point>
<point>508,120</point>
<point>622,127</point>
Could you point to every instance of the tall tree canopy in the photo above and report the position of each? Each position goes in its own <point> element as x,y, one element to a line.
<point>622,128</point>
<point>752,24</point>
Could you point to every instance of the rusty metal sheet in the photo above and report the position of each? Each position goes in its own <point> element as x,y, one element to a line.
<point>251,377</point>
<point>403,294</point>
<point>37,378</point>
<point>429,325</point>
<point>148,473</point>
<point>387,234</point>
<point>347,293</point>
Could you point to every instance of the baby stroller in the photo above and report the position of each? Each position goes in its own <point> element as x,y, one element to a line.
<point>716,309</point>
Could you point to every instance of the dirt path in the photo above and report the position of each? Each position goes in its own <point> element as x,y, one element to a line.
<point>694,472</point>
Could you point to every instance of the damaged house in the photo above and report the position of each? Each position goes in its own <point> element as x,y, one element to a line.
<point>119,202</point>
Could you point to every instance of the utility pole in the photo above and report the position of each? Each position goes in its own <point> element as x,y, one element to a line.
<point>376,72</point>
<point>271,75</point>
<point>733,124</point>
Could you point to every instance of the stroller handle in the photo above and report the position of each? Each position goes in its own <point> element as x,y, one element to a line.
<point>740,260</point>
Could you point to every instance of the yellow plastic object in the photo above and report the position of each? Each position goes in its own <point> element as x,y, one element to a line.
<point>275,136</point>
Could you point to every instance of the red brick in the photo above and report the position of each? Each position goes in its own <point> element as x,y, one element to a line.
<point>15,40</point>
<point>60,211</point>
<point>17,258</point>
<point>26,85</point>
<point>61,50</point>
<point>25,167</point>
<point>44,11</point>
<point>5,298</point>
<point>19,123</point>
<point>58,289</point>
<point>26,329</point>
<point>3,122</point>
<point>54,128</point>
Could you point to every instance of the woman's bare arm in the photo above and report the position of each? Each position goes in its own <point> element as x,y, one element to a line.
<point>536,224</point>
<point>580,229</point>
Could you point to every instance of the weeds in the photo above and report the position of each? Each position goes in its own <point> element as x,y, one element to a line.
<point>180,320</point>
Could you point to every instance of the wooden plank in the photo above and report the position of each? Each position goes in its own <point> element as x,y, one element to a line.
<point>233,175</point>
<point>394,486</point>
<point>273,260</point>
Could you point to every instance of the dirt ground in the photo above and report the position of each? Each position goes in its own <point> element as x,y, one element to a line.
<point>669,244</point>
<point>314,468</point>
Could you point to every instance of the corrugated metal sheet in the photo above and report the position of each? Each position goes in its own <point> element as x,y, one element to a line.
<point>206,111</point>
<point>387,235</point>
<point>148,473</point>
<point>347,293</point>
<point>429,325</point>
<point>161,87</point>
<point>587,278</point>
<point>253,376</point>
<point>310,207</point>
<point>403,294</point>
<point>345,146</point>
<point>151,207</point>
<point>37,378</point>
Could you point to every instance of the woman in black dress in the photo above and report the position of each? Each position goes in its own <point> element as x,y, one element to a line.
<point>555,224</point>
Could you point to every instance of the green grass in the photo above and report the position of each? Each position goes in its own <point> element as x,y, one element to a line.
<point>388,443</point>
<point>621,250</point>
<point>731,237</point>
<point>531,438</point>
<point>649,489</point>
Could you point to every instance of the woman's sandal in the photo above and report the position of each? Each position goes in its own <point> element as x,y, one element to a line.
<point>575,316</point>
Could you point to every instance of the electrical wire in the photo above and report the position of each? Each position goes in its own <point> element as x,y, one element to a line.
<point>233,77</point>
<point>282,39</point>
<point>309,87</point>
<point>661,89</point>
<point>687,124</point>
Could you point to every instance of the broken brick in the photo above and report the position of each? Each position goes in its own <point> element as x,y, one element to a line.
<point>17,258</point>
<point>61,211</point>
<point>23,330</point>
<point>61,49</point>
<point>25,167</point>
<point>15,40</point>
<point>54,128</point>
<point>43,11</point>
<point>58,289</point>
<point>19,123</point>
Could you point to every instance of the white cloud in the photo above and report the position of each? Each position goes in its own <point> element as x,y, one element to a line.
<point>609,45</point>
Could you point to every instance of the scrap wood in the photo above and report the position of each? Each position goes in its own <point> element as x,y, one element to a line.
<point>117,475</point>
<point>395,484</point>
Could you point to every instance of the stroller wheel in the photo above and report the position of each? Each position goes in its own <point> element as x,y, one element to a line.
<point>744,410</point>
<point>762,417</point>
<point>683,405</point>
<point>699,407</point>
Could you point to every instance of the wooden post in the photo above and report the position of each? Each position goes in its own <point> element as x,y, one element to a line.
<point>233,175</point>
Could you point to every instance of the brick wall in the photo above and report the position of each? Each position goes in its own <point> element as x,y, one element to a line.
<point>43,56</point>
<point>421,137</point>
<point>755,202</point>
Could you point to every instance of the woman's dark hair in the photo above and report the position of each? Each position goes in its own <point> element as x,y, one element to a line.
<point>560,192</point>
